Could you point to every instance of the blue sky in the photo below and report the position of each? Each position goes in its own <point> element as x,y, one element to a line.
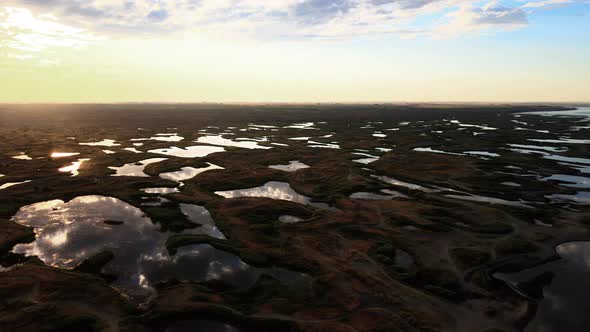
<point>295,50</point>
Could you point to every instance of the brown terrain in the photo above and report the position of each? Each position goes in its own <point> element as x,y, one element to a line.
<point>349,252</point>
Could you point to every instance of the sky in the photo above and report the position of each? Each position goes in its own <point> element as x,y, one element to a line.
<point>105,51</point>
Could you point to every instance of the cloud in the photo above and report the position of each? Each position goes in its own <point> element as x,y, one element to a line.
<point>492,16</point>
<point>158,15</point>
<point>288,19</point>
<point>317,11</point>
<point>546,3</point>
<point>22,30</point>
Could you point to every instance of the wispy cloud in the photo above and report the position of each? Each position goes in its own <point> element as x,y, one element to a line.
<point>289,19</point>
<point>546,3</point>
<point>490,17</point>
<point>22,30</point>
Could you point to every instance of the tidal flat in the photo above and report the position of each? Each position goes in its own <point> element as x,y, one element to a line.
<point>212,217</point>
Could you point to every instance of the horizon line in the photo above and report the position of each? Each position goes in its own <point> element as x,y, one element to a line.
<point>407,103</point>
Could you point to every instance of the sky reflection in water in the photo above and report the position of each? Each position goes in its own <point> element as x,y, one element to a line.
<point>274,190</point>
<point>68,233</point>
<point>565,300</point>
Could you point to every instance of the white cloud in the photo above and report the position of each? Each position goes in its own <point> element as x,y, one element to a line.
<point>280,19</point>
<point>492,16</point>
<point>24,31</point>
<point>546,3</point>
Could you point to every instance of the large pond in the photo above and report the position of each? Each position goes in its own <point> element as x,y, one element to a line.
<point>67,233</point>
<point>564,287</point>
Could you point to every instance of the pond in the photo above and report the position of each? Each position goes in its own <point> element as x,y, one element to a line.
<point>292,166</point>
<point>188,172</point>
<point>196,151</point>
<point>135,169</point>
<point>274,190</point>
<point>67,233</point>
<point>561,287</point>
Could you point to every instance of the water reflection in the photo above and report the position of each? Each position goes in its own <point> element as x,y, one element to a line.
<point>63,154</point>
<point>565,302</point>
<point>22,156</point>
<point>403,184</point>
<point>68,233</point>
<point>171,137</point>
<point>274,190</point>
<point>539,147</point>
<point>287,219</point>
<point>429,149</point>
<point>186,173</point>
<point>370,158</point>
<point>563,140</point>
<point>482,153</point>
<point>74,167</point>
<point>196,151</point>
<point>294,165</point>
<point>218,140</point>
<point>161,191</point>
<point>134,150</point>
<point>200,215</point>
<point>135,169</point>
<point>390,194</point>
<point>582,198</point>
<point>104,142</point>
<point>489,200</point>
<point>11,184</point>
<point>314,144</point>
<point>571,181</point>
<point>483,127</point>
<point>304,125</point>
